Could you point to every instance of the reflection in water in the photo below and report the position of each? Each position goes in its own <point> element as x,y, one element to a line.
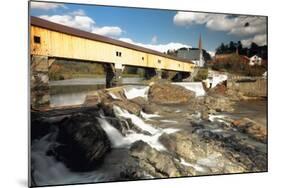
<point>74,91</point>
<point>64,95</point>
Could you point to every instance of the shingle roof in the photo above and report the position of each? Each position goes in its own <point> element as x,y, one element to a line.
<point>35,21</point>
<point>189,54</point>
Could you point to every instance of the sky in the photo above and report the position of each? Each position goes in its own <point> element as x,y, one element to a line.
<point>154,28</point>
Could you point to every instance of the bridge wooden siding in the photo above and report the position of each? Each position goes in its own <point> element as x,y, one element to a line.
<point>64,42</point>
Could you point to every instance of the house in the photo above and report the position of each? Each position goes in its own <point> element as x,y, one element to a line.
<point>196,55</point>
<point>255,60</point>
<point>193,54</point>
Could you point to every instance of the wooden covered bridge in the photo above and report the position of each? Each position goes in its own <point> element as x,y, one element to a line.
<point>50,41</point>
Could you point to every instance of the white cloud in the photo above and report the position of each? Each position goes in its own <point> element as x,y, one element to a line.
<point>78,12</point>
<point>258,39</point>
<point>80,20</point>
<point>154,39</point>
<point>157,47</point>
<point>111,31</point>
<point>234,25</point>
<point>45,6</point>
<point>187,18</point>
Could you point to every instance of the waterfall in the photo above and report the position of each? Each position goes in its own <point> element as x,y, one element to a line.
<point>148,116</point>
<point>119,141</point>
<point>136,91</point>
<point>48,171</point>
<point>115,137</point>
<point>196,87</point>
<point>135,120</point>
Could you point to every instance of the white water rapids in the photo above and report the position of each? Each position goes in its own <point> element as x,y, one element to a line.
<point>49,171</point>
<point>196,87</point>
<point>119,141</point>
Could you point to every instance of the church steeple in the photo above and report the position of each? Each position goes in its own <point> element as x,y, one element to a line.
<point>200,42</point>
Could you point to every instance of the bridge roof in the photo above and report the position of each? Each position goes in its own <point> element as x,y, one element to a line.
<point>38,22</point>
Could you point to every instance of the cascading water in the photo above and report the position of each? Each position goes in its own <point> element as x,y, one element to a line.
<point>148,116</point>
<point>196,87</point>
<point>136,91</point>
<point>135,120</point>
<point>120,141</point>
<point>46,170</point>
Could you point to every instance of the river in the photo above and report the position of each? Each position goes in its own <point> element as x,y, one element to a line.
<point>74,91</point>
<point>172,119</point>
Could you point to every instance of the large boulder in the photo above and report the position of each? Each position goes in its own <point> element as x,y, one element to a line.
<point>164,93</point>
<point>156,163</point>
<point>182,144</point>
<point>128,105</point>
<point>83,142</point>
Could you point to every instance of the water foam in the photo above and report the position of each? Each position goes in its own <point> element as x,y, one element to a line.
<point>196,87</point>
<point>133,92</point>
<point>197,167</point>
<point>148,116</point>
<point>46,170</point>
<point>119,141</point>
<point>135,120</point>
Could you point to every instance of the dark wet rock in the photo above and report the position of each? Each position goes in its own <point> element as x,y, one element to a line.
<point>169,94</point>
<point>132,173</point>
<point>207,153</point>
<point>156,163</point>
<point>39,128</point>
<point>83,142</point>
<point>254,129</point>
<point>241,156</point>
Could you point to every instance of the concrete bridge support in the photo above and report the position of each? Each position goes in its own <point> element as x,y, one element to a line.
<point>113,75</point>
<point>159,73</point>
<point>151,72</point>
<point>39,83</point>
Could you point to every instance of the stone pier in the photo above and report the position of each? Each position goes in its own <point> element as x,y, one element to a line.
<point>158,73</point>
<point>39,82</point>
<point>113,75</point>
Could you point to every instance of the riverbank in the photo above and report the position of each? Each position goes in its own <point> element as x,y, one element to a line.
<point>157,131</point>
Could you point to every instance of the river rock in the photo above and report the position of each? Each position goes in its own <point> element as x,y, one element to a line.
<point>182,144</point>
<point>83,142</point>
<point>218,104</point>
<point>219,89</point>
<point>107,104</point>
<point>252,128</point>
<point>164,93</point>
<point>141,101</point>
<point>156,163</point>
<point>128,105</point>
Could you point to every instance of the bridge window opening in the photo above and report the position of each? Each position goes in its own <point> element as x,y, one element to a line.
<point>142,58</point>
<point>118,54</point>
<point>37,39</point>
<point>159,61</point>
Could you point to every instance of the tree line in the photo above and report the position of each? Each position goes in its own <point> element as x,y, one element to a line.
<point>233,47</point>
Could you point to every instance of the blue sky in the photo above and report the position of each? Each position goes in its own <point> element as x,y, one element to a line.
<point>156,29</point>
